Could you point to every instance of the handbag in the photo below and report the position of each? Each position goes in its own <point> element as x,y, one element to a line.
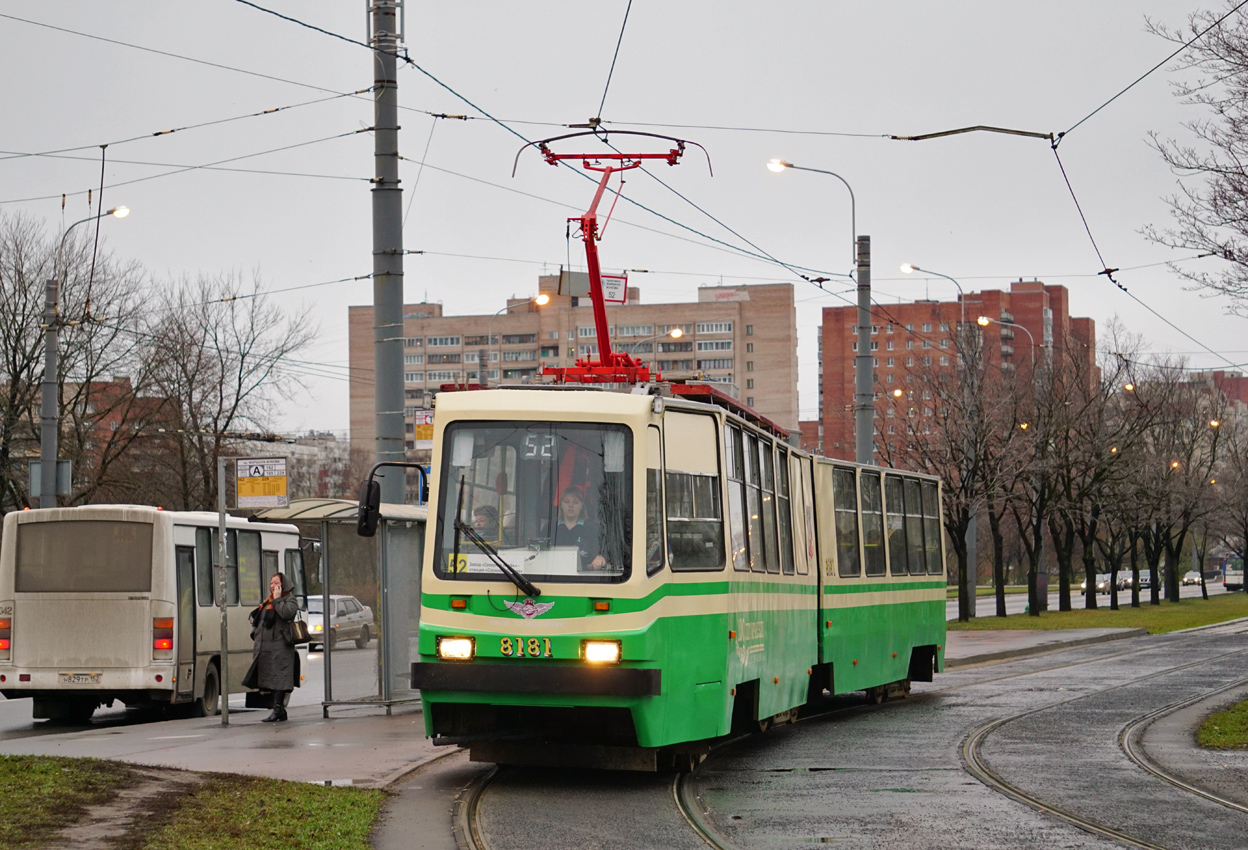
<point>299,630</point>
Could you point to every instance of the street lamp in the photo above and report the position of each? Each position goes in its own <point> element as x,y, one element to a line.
<point>540,300</point>
<point>49,415</point>
<point>985,321</point>
<point>864,396</point>
<point>910,268</point>
<point>674,333</point>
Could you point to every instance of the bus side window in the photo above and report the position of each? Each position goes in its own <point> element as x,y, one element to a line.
<point>268,568</point>
<point>203,568</point>
<point>294,572</point>
<point>249,568</point>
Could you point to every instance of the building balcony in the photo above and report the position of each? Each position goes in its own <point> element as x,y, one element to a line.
<point>1007,332</point>
<point>1007,350</point>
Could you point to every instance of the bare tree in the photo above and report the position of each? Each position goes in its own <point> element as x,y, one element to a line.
<point>220,356</point>
<point>94,349</point>
<point>1210,214</point>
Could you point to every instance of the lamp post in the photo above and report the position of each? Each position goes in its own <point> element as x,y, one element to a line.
<point>910,268</point>
<point>985,321</point>
<point>864,397</point>
<point>674,333</point>
<point>483,366</point>
<point>966,595</point>
<point>49,414</point>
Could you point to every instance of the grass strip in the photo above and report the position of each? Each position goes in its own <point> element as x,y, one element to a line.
<point>1158,619</point>
<point>43,794</point>
<point>1226,730</point>
<point>230,811</point>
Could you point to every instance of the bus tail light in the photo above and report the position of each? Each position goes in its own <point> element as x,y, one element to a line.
<point>162,638</point>
<point>6,638</point>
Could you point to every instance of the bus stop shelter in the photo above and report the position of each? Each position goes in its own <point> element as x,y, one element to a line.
<point>383,573</point>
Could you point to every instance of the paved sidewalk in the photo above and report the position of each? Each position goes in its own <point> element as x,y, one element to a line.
<point>355,746</point>
<point>362,746</point>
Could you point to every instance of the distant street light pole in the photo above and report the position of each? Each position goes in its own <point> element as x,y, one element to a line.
<point>674,333</point>
<point>864,394</point>
<point>985,321</point>
<point>966,596</point>
<point>483,370</point>
<point>50,413</point>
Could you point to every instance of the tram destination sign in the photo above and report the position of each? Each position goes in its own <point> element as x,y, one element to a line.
<point>261,482</point>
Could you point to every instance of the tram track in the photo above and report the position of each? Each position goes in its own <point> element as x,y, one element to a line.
<point>468,805</point>
<point>974,763</point>
<point>1131,736</point>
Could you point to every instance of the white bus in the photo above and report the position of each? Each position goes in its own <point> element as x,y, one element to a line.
<point>107,603</point>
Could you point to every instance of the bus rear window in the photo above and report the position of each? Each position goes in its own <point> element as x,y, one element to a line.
<point>84,556</point>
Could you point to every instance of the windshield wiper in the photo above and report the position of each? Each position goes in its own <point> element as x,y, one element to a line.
<point>481,543</point>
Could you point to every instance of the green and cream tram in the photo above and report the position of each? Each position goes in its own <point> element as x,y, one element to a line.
<point>620,578</point>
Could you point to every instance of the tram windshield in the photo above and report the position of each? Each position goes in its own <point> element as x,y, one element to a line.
<point>555,499</point>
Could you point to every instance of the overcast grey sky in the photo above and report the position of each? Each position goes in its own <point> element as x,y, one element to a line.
<point>820,84</point>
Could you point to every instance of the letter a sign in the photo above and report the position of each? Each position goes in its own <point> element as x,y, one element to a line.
<point>261,482</point>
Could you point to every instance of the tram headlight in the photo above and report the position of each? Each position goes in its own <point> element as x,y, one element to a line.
<point>601,651</point>
<point>456,648</point>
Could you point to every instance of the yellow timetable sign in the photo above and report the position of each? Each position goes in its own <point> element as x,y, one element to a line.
<point>261,482</point>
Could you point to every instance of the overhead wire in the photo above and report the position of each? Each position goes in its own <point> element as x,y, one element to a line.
<point>1141,78</point>
<point>151,164</point>
<point>614,57</point>
<point>184,169</point>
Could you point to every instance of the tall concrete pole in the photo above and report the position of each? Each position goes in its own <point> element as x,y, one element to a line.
<point>387,251</point>
<point>864,394</point>
<point>49,419</point>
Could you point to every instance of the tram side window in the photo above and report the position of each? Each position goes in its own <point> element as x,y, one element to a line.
<point>931,527</point>
<point>754,505</point>
<point>767,455</point>
<point>249,567</point>
<point>895,503</point>
<point>695,525</point>
<point>735,452</point>
<point>654,502</point>
<point>806,510</point>
<point>785,511</point>
<point>845,504</point>
<point>914,527</point>
<point>872,525</point>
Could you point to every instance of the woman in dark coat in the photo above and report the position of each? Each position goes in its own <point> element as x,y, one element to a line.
<point>274,657</point>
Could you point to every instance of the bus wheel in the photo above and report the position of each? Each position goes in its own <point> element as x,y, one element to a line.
<point>361,642</point>
<point>207,704</point>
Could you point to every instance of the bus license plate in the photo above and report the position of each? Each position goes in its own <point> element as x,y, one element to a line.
<point>80,678</point>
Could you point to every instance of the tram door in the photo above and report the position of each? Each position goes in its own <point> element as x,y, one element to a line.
<point>185,559</point>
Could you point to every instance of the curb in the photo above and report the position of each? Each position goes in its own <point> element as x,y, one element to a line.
<point>1022,652</point>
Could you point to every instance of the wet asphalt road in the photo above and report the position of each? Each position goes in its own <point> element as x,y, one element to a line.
<point>893,775</point>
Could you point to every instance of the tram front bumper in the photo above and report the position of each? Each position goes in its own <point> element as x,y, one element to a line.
<point>516,679</point>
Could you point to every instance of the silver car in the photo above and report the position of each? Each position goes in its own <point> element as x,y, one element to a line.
<point>348,620</point>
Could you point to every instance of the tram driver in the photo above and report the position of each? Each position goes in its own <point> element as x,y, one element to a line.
<point>573,528</point>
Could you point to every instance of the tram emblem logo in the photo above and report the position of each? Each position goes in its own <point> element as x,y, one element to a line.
<point>530,609</point>
<point>750,641</point>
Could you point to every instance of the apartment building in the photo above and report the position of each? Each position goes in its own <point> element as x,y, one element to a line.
<point>743,338</point>
<point>1026,323</point>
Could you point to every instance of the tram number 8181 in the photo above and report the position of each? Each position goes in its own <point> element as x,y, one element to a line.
<point>521,648</point>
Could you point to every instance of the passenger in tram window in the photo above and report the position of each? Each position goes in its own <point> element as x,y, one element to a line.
<point>574,529</point>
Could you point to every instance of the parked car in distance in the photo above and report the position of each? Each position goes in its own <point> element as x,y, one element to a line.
<point>1192,577</point>
<point>1146,580</point>
<point>348,620</point>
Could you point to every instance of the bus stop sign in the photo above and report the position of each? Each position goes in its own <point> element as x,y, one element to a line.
<point>260,482</point>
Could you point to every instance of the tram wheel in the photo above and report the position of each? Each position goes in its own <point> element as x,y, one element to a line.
<point>875,696</point>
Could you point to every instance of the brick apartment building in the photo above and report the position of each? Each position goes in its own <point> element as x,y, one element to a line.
<point>743,337</point>
<point>907,338</point>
